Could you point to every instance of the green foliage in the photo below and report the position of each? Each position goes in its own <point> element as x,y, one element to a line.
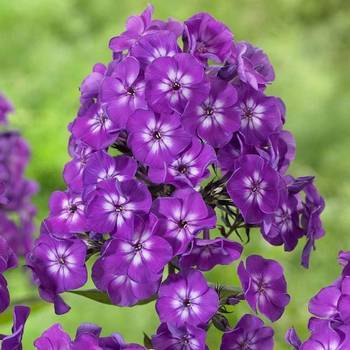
<point>48,47</point>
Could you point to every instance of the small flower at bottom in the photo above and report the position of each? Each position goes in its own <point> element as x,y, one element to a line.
<point>250,333</point>
<point>187,337</point>
<point>264,286</point>
<point>186,298</point>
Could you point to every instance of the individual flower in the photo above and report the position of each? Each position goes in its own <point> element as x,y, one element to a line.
<point>74,169</point>
<point>101,166</point>
<point>311,220</point>
<point>90,87</point>
<point>214,119</point>
<point>250,333</point>
<point>255,188</point>
<point>260,116</point>
<point>95,128</point>
<point>115,281</point>
<point>123,92</point>
<point>113,204</point>
<point>66,213</point>
<point>54,338</point>
<point>171,82</point>
<point>141,254</point>
<point>190,166</point>
<point>58,265</point>
<point>5,108</point>
<point>4,294</point>
<point>186,299</point>
<point>248,64</point>
<point>136,26</point>
<point>156,139</point>
<point>158,44</point>
<point>264,286</point>
<point>14,340</point>
<point>181,217</point>
<point>283,227</point>
<point>187,337</point>
<point>206,38</point>
<point>207,253</point>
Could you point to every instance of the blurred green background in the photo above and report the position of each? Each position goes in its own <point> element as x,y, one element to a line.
<point>48,46</point>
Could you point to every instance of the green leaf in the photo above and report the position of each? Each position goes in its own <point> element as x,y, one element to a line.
<point>101,297</point>
<point>93,294</point>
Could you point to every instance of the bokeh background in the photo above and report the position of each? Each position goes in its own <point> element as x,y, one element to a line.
<point>48,46</point>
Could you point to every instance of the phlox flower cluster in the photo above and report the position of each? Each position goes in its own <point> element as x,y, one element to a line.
<point>176,151</point>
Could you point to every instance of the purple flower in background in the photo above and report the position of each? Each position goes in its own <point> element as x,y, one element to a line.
<point>136,26</point>
<point>255,188</point>
<point>264,286</point>
<point>171,82</point>
<point>250,333</point>
<point>4,294</point>
<point>123,92</point>
<point>207,253</point>
<point>58,266</point>
<point>214,119</point>
<point>14,340</point>
<point>8,258</point>
<point>181,217</point>
<point>190,166</point>
<point>186,299</point>
<point>101,166</point>
<point>155,45</point>
<point>95,128</point>
<point>206,38</point>
<point>260,116</point>
<point>187,337</point>
<point>113,204</point>
<point>5,108</point>
<point>66,213</point>
<point>141,254</point>
<point>156,139</point>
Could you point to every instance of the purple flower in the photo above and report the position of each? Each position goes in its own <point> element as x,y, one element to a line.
<point>54,338</point>
<point>95,128</point>
<point>113,204</point>
<point>66,213</point>
<point>283,227</point>
<point>136,26</point>
<point>4,294</point>
<point>5,108</point>
<point>189,167</point>
<point>186,299</point>
<point>123,92</point>
<point>155,45</point>
<point>14,341</point>
<point>264,286</point>
<point>207,253</point>
<point>90,87</point>
<point>171,82</point>
<point>58,266</point>
<point>250,333</point>
<point>187,337</point>
<point>181,217</point>
<point>214,119</point>
<point>311,220</point>
<point>156,139</point>
<point>101,166</point>
<point>121,288</point>
<point>260,116</point>
<point>206,38</point>
<point>141,254</point>
<point>255,188</point>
